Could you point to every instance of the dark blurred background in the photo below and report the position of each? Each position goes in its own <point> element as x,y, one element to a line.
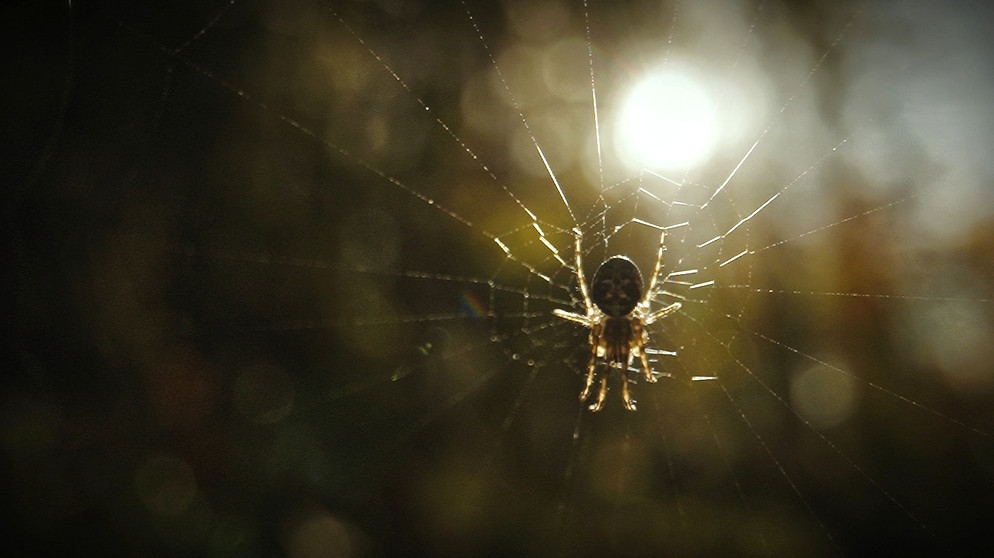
<point>235,327</point>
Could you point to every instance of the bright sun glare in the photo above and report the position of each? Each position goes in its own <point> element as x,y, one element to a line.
<point>666,122</point>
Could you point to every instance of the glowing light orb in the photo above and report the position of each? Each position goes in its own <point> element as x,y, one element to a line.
<point>666,122</point>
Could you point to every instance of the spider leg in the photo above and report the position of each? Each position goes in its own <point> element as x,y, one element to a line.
<point>600,395</point>
<point>649,292</point>
<point>626,394</point>
<point>645,368</point>
<point>576,318</point>
<point>597,351</point>
<point>588,306</point>
<point>591,374</point>
<point>661,313</point>
<point>637,347</point>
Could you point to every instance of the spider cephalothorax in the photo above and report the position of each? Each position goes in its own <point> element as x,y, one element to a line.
<point>617,313</point>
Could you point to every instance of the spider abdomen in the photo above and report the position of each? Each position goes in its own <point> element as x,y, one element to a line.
<point>617,287</point>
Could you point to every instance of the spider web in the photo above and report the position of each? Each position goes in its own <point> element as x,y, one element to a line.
<point>323,243</point>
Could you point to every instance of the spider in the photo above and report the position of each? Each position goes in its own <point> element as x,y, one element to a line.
<point>617,314</point>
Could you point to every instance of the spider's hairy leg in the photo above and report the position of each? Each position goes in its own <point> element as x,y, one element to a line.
<point>637,348</point>
<point>646,370</point>
<point>651,290</point>
<point>661,313</point>
<point>589,383</point>
<point>601,394</point>
<point>580,277</point>
<point>626,394</point>
<point>591,371</point>
<point>598,350</point>
<point>582,320</point>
